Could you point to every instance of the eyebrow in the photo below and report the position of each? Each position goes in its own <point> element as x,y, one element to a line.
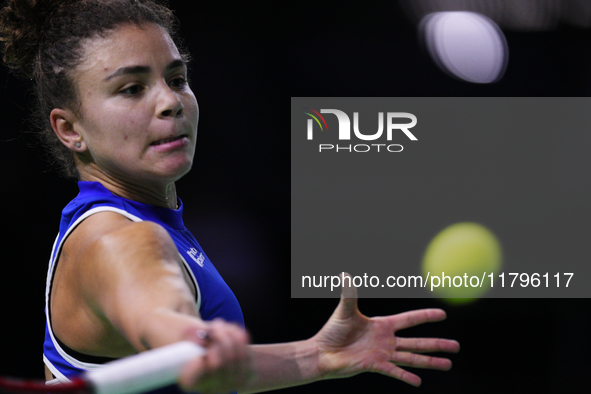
<point>178,63</point>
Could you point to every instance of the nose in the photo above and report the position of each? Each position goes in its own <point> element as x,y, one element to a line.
<point>169,104</point>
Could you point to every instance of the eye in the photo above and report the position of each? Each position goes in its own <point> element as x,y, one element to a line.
<point>132,90</point>
<point>178,82</point>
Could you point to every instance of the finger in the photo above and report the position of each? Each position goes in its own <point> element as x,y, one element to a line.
<point>239,340</point>
<point>234,351</point>
<point>202,374</point>
<point>414,318</point>
<point>242,339</point>
<point>394,371</point>
<point>232,338</point>
<point>348,304</point>
<point>224,360</point>
<point>423,345</point>
<point>191,374</point>
<point>199,335</point>
<point>223,352</point>
<point>209,373</point>
<point>406,359</point>
<point>349,291</point>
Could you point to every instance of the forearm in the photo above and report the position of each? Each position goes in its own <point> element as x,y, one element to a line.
<point>283,365</point>
<point>163,327</point>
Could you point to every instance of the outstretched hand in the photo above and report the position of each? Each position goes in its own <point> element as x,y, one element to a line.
<point>351,343</point>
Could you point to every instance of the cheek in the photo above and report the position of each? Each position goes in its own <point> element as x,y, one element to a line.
<point>191,108</point>
<point>113,136</point>
<point>114,130</point>
<point>126,127</point>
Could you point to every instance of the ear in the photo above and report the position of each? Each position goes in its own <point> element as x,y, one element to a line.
<point>63,123</point>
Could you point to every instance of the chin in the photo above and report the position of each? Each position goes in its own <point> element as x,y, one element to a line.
<point>177,171</point>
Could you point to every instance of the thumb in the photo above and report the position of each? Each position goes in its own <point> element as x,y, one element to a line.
<point>348,304</point>
<point>192,373</point>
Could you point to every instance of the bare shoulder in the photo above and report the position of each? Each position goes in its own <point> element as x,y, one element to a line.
<point>110,237</point>
<point>112,250</point>
<point>107,245</point>
<point>108,230</point>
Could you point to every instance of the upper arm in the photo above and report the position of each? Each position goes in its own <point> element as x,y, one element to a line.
<point>131,276</point>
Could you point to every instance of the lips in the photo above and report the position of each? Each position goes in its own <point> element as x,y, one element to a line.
<point>167,140</point>
<point>166,145</point>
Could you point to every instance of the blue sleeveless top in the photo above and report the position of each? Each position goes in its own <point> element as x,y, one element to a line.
<point>214,297</point>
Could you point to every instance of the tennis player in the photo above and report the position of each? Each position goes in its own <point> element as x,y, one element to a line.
<point>125,275</point>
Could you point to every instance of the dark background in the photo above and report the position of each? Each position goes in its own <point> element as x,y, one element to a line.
<point>249,58</point>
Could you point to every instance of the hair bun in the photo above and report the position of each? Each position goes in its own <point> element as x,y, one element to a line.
<point>22,25</point>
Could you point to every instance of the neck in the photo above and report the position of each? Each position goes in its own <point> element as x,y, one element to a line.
<point>161,195</point>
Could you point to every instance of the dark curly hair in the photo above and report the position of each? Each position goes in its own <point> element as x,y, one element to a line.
<point>42,41</point>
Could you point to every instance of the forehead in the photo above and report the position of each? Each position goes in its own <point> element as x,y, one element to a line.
<point>127,45</point>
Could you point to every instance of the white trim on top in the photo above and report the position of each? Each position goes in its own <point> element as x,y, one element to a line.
<point>59,377</point>
<point>194,280</point>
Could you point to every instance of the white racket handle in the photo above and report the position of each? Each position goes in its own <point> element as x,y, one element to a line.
<point>144,371</point>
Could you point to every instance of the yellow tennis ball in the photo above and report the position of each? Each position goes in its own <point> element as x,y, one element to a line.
<point>458,262</point>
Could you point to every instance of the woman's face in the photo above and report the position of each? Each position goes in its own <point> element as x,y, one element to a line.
<point>138,116</point>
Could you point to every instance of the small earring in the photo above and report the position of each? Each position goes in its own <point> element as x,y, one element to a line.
<point>78,145</point>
